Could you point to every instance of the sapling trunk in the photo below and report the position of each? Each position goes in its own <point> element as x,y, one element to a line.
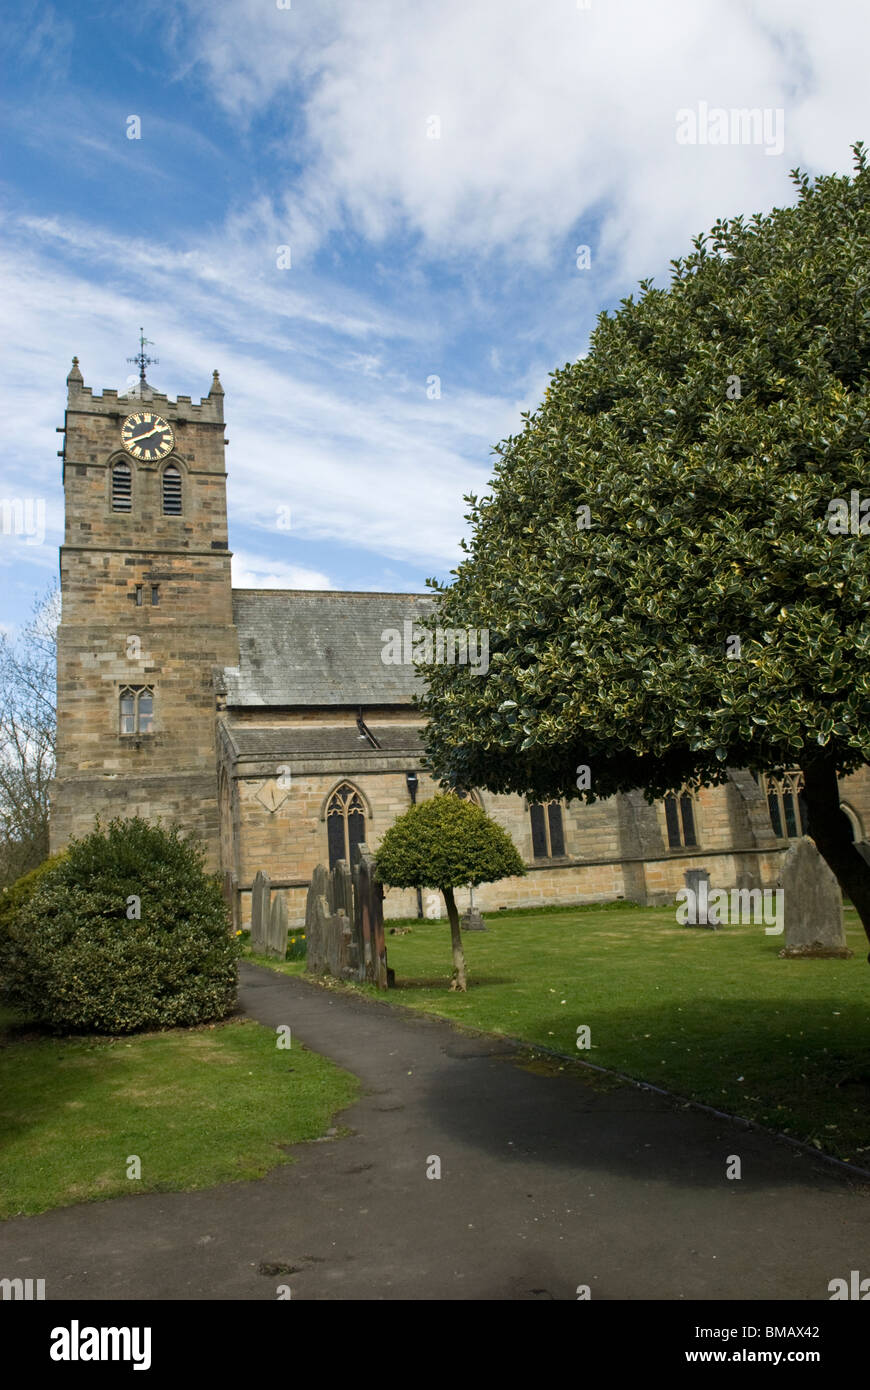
<point>458,981</point>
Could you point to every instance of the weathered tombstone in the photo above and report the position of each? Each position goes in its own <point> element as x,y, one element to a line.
<point>698,880</point>
<point>328,939</point>
<point>344,923</point>
<point>341,901</point>
<point>341,889</point>
<point>261,892</point>
<point>812,904</point>
<point>433,907</point>
<point>278,926</point>
<point>471,920</point>
<point>369,918</point>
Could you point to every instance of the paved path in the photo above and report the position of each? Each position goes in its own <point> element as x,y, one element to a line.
<point>546,1184</point>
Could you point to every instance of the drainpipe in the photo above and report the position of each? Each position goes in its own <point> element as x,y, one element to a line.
<point>412,782</point>
<point>365,732</point>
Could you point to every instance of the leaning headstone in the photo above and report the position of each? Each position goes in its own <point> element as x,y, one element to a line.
<point>260,895</point>
<point>276,944</point>
<point>812,904</point>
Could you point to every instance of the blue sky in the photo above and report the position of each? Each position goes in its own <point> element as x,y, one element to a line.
<point>411,257</point>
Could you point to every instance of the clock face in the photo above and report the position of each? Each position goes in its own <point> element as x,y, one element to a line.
<point>147,436</point>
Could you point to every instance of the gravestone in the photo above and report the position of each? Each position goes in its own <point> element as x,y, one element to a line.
<point>344,923</point>
<point>369,918</point>
<point>328,939</point>
<point>276,944</point>
<point>340,892</point>
<point>471,920</point>
<point>694,878</point>
<point>433,907</point>
<point>261,892</point>
<point>812,904</point>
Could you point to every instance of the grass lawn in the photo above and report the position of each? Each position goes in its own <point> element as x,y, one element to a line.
<point>714,1016</point>
<point>198,1106</point>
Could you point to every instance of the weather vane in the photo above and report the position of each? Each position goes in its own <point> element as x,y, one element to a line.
<point>141,356</point>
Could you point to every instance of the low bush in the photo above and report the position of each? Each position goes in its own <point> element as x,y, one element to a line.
<point>123,931</point>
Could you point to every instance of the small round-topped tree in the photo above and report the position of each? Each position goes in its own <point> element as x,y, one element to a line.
<point>447,843</point>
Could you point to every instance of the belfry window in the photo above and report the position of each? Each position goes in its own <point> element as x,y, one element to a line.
<point>171,491</point>
<point>548,835</point>
<point>345,824</point>
<point>680,818</point>
<point>122,487</point>
<point>137,709</point>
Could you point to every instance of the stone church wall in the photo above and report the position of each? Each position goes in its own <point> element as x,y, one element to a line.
<point>599,865</point>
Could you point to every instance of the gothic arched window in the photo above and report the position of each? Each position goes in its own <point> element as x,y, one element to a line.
<point>548,835</point>
<point>680,818</point>
<point>171,491</point>
<point>136,709</point>
<point>785,803</point>
<point>122,487</point>
<point>345,824</point>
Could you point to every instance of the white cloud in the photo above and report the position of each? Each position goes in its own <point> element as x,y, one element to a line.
<point>550,115</point>
<point>348,440</point>
<point>253,572</point>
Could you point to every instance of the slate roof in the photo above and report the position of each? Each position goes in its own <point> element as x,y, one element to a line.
<point>264,745</point>
<point>320,647</point>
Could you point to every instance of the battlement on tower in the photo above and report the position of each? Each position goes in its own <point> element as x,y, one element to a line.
<point>110,401</point>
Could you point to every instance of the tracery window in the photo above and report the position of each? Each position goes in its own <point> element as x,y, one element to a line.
<point>785,802</point>
<point>345,824</point>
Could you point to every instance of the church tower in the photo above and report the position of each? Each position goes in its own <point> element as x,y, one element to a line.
<point>146,609</point>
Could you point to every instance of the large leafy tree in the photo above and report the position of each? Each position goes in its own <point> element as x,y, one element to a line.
<point>708,432</point>
<point>447,843</point>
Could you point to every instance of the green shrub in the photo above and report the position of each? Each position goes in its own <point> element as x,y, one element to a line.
<point>13,898</point>
<point>72,958</point>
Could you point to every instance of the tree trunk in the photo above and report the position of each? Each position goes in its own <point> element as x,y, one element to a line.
<point>830,828</point>
<point>458,981</point>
